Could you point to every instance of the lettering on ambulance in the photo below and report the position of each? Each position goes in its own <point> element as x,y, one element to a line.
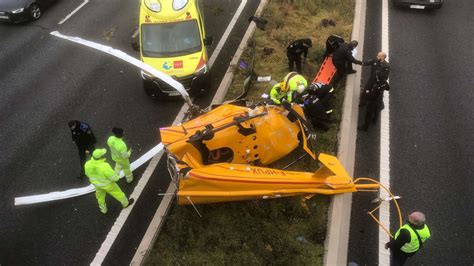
<point>258,171</point>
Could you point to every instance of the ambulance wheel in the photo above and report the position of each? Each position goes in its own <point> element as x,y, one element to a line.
<point>152,90</point>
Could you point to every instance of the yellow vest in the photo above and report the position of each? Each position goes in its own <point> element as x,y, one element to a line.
<point>414,244</point>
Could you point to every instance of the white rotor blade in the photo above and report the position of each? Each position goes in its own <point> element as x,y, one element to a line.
<point>127,58</point>
<point>75,192</point>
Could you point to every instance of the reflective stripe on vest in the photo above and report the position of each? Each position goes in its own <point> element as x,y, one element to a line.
<point>286,80</point>
<point>99,182</point>
<point>414,244</point>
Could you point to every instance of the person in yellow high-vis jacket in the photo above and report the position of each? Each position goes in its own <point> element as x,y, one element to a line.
<point>104,179</point>
<point>293,84</point>
<point>120,153</point>
<point>409,238</point>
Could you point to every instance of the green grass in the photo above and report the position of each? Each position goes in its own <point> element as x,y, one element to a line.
<point>283,231</point>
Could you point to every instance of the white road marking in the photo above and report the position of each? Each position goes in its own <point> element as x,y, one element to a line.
<point>134,35</point>
<point>384,211</point>
<point>71,193</point>
<point>112,235</point>
<point>73,12</point>
<point>227,32</point>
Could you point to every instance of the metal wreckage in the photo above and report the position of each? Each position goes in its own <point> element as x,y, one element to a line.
<point>219,154</point>
<point>214,157</point>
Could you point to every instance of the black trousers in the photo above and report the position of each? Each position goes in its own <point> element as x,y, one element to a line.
<point>292,60</point>
<point>399,258</point>
<point>83,156</point>
<point>373,108</point>
<point>340,72</point>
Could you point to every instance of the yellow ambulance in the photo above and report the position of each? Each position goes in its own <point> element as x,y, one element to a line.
<point>173,40</point>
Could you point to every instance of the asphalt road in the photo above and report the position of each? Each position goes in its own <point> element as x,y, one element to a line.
<point>431,129</point>
<point>46,81</point>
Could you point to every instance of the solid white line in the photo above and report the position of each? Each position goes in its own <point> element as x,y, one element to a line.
<point>122,218</point>
<point>73,12</point>
<point>384,211</point>
<point>117,227</point>
<point>227,32</point>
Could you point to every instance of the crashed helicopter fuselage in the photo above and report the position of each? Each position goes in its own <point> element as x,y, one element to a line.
<point>213,157</point>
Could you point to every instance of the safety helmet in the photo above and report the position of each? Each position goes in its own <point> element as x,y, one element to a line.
<point>300,88</point>
<point>118,132</point>
<point>283,86</point>
<point>98,153</point>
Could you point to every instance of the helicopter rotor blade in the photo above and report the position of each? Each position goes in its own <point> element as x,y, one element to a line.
<point>127,58</point>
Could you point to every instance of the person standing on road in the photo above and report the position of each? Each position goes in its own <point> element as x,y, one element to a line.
<point>104,179</point>
<point>374,88</point>
<point>294,51</point>
<point>120,153</point>
<point>84,139</point>
<point>342,57</point>
<point>408,239</point>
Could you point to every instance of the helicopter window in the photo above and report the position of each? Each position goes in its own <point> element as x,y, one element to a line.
<point>221,155</point>
<point>171,39</point>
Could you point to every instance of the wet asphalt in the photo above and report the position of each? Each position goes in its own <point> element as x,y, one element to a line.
<point>46,81</point>
<point>431,131</point>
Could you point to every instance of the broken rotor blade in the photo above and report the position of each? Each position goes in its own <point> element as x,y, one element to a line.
<point>75,192</point>
<point>127,58</point>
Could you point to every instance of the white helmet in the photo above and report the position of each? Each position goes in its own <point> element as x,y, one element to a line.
<point>300,89</point>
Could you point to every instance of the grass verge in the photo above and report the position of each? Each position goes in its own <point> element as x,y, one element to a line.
<point>282,231</point>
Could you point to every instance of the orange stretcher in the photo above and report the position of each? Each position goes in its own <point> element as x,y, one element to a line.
<point>326,72</point>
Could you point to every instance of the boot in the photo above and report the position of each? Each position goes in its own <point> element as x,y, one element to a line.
<point>130,202</point>
<point>103,209</point>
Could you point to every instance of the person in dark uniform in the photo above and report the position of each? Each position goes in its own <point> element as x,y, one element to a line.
<point>408,239</point>
<point>342,57</point>
<point>294,51</point>
<point>332,43</point>
<point>84,139</point>
<point>317,105</point>
<point>374,88</point>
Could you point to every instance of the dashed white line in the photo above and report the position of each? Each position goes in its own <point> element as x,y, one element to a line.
<point>134,35</point>
<point>121,219</point>
<point>73,12</point>
<point>384,211</point>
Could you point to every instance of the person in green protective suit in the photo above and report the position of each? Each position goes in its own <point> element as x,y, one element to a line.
<point>104,179</point>
<point>293,84</point>
<point>120,153</point>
